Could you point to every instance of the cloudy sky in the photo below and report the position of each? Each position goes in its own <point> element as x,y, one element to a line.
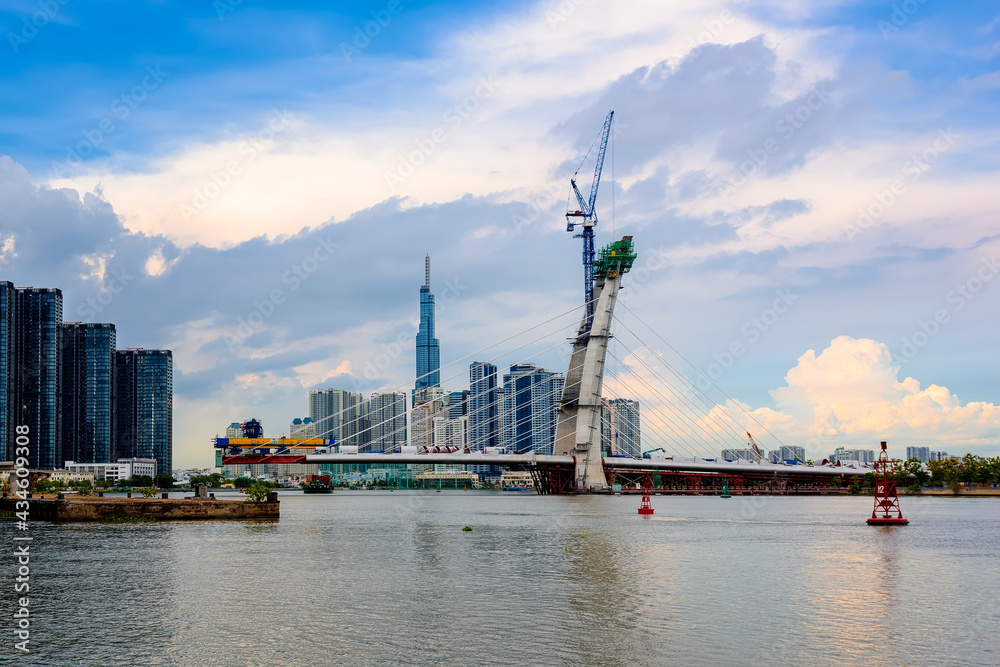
<point>254,185</point>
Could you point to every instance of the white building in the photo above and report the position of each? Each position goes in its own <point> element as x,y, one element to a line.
<point>859,455</point>
<point>123,469</point>
<point>302,428</point>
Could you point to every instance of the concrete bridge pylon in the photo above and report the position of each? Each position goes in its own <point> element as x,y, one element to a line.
<point>578,429</point>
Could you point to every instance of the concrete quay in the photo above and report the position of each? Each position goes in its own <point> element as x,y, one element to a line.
<point>156,509</point>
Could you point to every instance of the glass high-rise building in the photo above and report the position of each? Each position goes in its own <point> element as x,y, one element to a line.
<point>620,433</point>
<point>144,388</point>
<point>37,372</point>
<point>387,415</point>
<point>531,398</point>
<point>428,347</point>
<point>484,406</point>
<point>8,334</point>
<point>341,415</point>
<point>88,393</point>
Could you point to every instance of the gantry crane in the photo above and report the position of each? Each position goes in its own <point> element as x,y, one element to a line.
<point>589,220</point>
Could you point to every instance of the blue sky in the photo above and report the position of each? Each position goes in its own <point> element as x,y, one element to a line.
<point>203,153</point>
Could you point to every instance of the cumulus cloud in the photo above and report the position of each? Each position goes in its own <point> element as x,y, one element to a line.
<point>850,395</point>
<point>852,392</point>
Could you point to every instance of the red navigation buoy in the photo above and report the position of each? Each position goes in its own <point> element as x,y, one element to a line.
<point>644,506</point>
<point>886,498</point>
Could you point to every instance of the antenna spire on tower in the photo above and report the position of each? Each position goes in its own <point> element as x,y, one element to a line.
<point>427,271</point>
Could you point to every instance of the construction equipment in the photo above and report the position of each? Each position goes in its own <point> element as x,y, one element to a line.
<point>756,449</point>
<point>646,454</point>
<point>589,219</point>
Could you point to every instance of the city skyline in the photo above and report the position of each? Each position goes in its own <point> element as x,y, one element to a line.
<point>80,397</point>
<point>810,193</point>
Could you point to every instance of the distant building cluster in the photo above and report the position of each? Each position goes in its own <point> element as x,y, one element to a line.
<point>924,454</point>
<point>83,400</point>
<point>847,455</point>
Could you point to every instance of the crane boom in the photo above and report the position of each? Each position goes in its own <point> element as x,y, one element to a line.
<point>589,215</point>
<point>756,449</point>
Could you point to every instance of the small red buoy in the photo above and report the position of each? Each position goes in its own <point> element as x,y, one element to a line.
<point>644,507</point>
<point>886,497</point>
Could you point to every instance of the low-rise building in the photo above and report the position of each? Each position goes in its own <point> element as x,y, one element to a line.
<point>70,477</point>
<point>122,469</point>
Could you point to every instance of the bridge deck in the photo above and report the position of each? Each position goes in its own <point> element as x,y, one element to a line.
<point>610,463</point>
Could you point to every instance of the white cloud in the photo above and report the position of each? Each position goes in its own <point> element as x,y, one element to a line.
<point>849,395</point>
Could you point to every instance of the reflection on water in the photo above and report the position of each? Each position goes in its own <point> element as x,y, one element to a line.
<point>389,578</point>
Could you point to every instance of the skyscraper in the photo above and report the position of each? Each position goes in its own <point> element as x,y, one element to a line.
<point>484,406</point>
<point>8,334</point>
<point>325,408</point>
<point>387,415</point>
<point>341,415</point>
<point>531,398</point>
<point>623,427</point>
<point>144,412</point>
<point>37,392</point>
<point>428,348</point>
<point>88,393</point>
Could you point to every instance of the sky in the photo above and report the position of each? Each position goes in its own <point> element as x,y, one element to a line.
<point>811,187</point>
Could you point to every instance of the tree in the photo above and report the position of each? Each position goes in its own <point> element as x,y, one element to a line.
<point>214,480</point>
<point>164,481</point>
<point>914,467</point>
<point>257,493</point>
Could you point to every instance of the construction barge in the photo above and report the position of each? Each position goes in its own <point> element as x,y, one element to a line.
<point>138,509</point>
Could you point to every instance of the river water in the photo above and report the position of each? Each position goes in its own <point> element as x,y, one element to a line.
<point>384,578</point>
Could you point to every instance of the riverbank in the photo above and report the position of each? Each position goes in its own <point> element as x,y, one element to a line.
<point>964,493</point>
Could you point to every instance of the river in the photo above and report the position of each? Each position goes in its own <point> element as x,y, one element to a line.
<point>384,578</point>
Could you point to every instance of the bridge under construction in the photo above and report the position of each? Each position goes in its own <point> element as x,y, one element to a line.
<point>575,455</point>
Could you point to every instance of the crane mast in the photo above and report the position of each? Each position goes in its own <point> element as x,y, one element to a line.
<point>588,220</point>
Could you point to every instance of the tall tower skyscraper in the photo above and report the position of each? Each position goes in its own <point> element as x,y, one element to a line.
<point>38,373</point>
<point>484,406</point>
<point>428,348</point>
<point>88,393</point>
<point>144,409</point>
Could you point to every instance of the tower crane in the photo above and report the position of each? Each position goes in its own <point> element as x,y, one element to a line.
<point>588,219</point>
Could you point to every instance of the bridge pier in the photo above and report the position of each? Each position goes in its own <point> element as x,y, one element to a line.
<point>578,429</point>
